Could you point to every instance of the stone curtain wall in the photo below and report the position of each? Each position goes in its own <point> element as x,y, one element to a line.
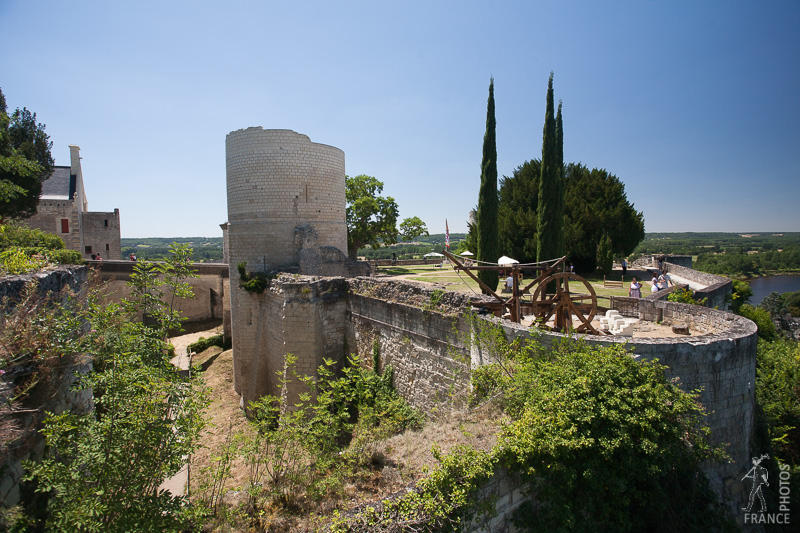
<point>429,351</point>
<point>718,289</point>
<point>59,397</point>
<point>299,315</point>
<point>211,300</point>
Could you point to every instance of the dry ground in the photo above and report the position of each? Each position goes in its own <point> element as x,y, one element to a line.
<point>397,462</point>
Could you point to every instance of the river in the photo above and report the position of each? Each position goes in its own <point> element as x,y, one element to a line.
<point>762,287</point>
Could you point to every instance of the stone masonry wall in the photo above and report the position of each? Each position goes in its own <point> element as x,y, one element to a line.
<point>278,180</point>
<point>48,218</point>
<point>299,315</point>
<point>101,231</point>
<point>717,291</point>
<point>211,289</point>
<point>56,396</point>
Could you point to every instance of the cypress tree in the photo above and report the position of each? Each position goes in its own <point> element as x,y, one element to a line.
<point>487,198</point>
<point>547,235</point>
<point>559,211</point>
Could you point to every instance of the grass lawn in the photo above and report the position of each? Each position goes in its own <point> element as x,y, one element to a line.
<point>461,282</point>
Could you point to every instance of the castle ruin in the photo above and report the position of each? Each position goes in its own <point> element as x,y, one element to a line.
<point>286,208</point>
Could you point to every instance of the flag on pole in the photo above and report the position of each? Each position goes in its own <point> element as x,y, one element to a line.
<point>446,234</point>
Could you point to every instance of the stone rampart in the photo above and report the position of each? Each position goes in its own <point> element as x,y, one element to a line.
<point>55,395</point>
<point>429,350</point>
<point>211,290</point>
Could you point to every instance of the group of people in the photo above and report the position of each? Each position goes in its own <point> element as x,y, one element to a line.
<point>660,281</point>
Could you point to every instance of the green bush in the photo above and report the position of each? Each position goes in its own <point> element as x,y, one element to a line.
<point>762,318</point>
<point>204,344</point>
<point>256,283</point>
<point>740,295</point>
<point>605,443</point>
<point>101,470</point>
<point>15,261</point>
<point>15,234</point>
<point>778,396</point>
<point>686,296</point>
<point>594,426</point>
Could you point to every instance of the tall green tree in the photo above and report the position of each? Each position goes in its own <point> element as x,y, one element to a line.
<point>595,202</point>
<point>519,194</point>
<point>550,218</point>
<point>560,248</point>
<point>488,249</point>
<point>25,161</point>
<point>372,219</point>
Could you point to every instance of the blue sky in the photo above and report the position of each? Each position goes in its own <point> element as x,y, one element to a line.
<point>693,105</point>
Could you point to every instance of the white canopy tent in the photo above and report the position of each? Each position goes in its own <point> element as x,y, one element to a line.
<point>467,254</point>
<point>506,261</point>
<point>433,254</point>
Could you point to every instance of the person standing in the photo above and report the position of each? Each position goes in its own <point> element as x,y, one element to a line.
<point>635,290</point>
<point>654,282</point>
<point>624,266</point>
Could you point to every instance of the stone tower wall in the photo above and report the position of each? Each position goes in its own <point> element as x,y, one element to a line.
<point>279,181</point>
<point>286,208</point>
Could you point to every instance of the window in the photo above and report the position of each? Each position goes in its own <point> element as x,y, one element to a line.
<point>107,247</point>
<point>106,221</point>
<point>64,225</point>
<point>87,250</point>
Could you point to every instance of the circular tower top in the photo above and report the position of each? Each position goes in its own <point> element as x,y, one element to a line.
<point>279,181</point>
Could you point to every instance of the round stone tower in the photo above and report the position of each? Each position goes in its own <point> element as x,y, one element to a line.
<point>285,194</point>
<point>286,211</point>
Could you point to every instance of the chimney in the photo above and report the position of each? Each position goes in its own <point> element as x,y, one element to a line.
<point>74,159</point>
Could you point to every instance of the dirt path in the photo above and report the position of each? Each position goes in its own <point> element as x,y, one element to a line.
<point>177,483</point>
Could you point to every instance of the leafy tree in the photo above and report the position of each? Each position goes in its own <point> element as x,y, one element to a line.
<point>596,204</point>
<point>759,315</point>
<point>518,219</point>
<point>372,219</point>
<point>605,257</point>
<point>560,194</point>
<point>25,161</point>
<point>487,219</point>
<point>778,397</point>
<point>102,470</point>
<point>740,295</point>
<point>550,210</point>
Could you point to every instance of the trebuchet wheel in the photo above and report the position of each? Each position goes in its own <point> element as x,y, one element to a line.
<point>564,304</point>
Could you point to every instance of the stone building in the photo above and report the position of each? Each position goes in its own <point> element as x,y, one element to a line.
<point>64,210</point>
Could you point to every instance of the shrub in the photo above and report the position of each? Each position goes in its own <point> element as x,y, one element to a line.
<point>740,295</point>
<point>684,295</point>
<point>597,427</point>
<point>15,234</point>
<point>15,261</point>
<point>762,318</point>
<point>256,283</point>
<point>204,344</point>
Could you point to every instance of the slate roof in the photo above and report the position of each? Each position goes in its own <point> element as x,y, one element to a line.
<point>60,185</point>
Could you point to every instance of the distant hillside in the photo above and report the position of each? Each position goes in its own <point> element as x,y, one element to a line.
<point>204,249</point>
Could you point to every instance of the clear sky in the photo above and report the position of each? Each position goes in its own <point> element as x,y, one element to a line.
<point>695,106</point>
